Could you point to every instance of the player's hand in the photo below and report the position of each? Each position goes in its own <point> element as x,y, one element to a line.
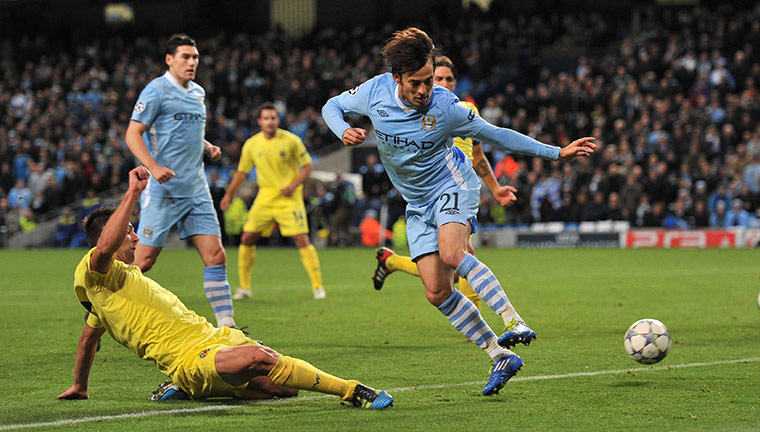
<point>162,174</point>
<point>73,393</point>
<point>138,179</point>
<point>580,147</point>
<point>214,152</point>
<point>288,190</point>
<point>505,195</point>
<point>354,136</point>
<point>224,204</point>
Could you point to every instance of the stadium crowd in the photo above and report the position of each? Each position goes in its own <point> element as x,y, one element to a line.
<point>674,105</point>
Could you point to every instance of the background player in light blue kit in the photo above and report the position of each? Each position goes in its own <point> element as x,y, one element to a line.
<point>167,135</point>
<point>414,122</point>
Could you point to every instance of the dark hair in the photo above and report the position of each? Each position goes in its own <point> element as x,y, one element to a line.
<point>444,61</point>
<point>94,223</point>
<point>266,106</point>
<point>408,50</point>
<point>176,41</point>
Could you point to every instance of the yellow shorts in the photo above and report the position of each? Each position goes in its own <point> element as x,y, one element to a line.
<point>196,373</point>
<point>289,213</point>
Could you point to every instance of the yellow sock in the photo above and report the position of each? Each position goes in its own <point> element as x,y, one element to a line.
<point>246,255</point>
<point>466,289</point>
<point>310,261</point>
<point>296,373</point>
<point>402,263</point>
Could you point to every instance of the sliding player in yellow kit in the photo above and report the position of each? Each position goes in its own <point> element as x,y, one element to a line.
<point>388,261</point>
<point>282,165</point>
<point>201,360</point>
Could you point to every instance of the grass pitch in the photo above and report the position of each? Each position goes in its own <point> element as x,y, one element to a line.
<point>576,375</point>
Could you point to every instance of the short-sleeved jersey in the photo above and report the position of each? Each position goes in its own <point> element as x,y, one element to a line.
<point>466,144</point>
<point>139,313</point>
<point>176,121</point>
<point>415,145</point>
<point>277,161</point>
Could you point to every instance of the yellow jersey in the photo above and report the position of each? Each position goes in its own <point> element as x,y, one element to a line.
<point>140,314</point>
<point>277,161</point>
<point>465,144</point>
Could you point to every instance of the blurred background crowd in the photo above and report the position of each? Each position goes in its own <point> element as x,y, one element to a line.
<point>671,95</point>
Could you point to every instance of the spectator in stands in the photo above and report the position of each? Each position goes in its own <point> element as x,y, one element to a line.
<point>345,205</point>
<point>718,217</point>
<point>375,183</point>
<point>736,216</point>
<point>27,222</point>
<point>66,228</point>
<point>20,196</point>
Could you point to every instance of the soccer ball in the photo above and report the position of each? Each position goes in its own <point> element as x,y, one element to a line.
<point>647,341</point>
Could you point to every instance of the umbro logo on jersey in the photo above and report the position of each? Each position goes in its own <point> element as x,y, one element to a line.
<point>452,212</point>
<point>382,113</point>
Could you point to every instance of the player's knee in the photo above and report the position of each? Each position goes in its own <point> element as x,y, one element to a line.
<point>451,257</point>
<point>262,359</point>
<point>301,241</point>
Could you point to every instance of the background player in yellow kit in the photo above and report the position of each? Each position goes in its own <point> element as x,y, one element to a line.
<point>445,75</point>
<point>282,165</point>
<point>149,320</point>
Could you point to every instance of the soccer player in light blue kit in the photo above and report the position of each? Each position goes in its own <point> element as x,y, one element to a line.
<point>166,134</point>
<point>414,122</point>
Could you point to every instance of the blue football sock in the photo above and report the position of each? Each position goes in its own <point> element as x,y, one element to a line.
<point>219,294</point>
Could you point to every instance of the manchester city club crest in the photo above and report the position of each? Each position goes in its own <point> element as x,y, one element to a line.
<point>428,122</point>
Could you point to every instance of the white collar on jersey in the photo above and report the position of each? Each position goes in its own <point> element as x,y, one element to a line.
<point>401,104</point>
<point>168,75</point>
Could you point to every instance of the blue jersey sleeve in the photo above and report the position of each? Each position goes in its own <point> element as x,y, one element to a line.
<point>351,102</point>
<point>466,123</point>
<point>147,106</point>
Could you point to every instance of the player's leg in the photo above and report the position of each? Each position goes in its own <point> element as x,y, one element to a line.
<point>387,262</point>
<point>246,258</point>
<point>484,283</point>
<point>242,364</point>
<point>260,220</point>
<point>215,283</point>
<point>291,217</point>
<point>464,286</point>
<point>310,261</point>
<point>201,225</point>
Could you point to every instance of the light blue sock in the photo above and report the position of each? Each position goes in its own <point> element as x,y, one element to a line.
<point>219,294</point>
<point>484,283</point>
<point>466,318</point>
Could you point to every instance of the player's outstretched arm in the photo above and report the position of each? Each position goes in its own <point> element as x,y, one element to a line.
<point>116,228</point>
<point>581,147</point>
<point>505,195</point>
<point>88,344</point>
<point>139,149</point>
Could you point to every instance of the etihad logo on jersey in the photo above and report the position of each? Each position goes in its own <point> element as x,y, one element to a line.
<point>428,122</point>
<point>186,116</point>
<point>402,142</point>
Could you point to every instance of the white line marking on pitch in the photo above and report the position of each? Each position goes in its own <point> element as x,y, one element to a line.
<point>400,389</point>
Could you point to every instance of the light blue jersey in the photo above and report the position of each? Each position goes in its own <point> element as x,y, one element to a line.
<point>176,121</point>
<point>416,146</point>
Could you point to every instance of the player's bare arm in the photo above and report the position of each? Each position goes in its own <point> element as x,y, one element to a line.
<point>86,348</point>
<point>237,180</point>
<point>118,232</point>
<point>581,147</point>
<point>505,195</point>
<point>136,144</point>
<point>214,152</point>
<point>303,174</point>
<point>354,136</point>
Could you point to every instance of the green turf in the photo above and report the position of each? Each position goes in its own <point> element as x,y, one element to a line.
<point>580,302</point>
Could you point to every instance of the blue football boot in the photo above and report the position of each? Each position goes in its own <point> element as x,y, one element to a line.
<point>504,369</point>
<point>515,333</point>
